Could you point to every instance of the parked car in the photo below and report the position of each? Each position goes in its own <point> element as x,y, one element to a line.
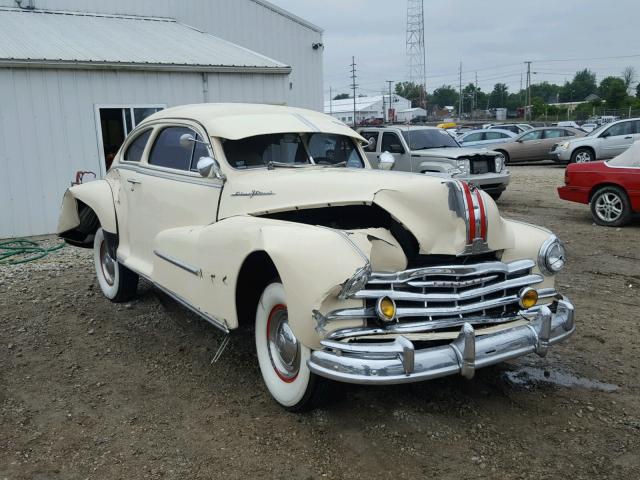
<point>516,128</point>
<point>433,150</point>
<point>483,137</point>
<point>536,144</point>
<point>611,188</point>
<point>606,141</point>
<point>567,123</point>
<point>272,216</point>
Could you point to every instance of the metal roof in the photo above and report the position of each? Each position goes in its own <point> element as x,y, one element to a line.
<point>55,39</point>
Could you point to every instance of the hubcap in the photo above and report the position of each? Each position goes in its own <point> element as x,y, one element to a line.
<point>609,207</point>
<point>284,349</point>
<point>583,157</point>
<point>108,264</point>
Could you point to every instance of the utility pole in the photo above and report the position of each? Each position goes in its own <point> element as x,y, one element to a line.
<point>415,47</point>
<point>475,96</point>
<point>390,99</point>
<point>460,99</point>
<point>528,105</point>
<point>353,87</point>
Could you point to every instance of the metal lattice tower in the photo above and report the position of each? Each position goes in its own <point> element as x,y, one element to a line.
<point>416,52</point>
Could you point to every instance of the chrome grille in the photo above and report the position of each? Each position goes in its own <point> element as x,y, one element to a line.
<point>483,289</point>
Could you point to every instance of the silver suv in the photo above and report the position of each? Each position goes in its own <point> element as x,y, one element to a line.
<point>433,150</point>
<point>606,141</point>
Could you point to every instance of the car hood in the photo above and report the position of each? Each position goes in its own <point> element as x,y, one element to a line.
<point>453,153</point>
<point>427,206</point>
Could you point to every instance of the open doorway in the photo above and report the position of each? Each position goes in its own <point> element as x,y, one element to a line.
<point>115,124</point>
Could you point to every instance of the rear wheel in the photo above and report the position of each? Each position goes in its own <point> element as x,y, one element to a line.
<point>282,357</point>
<point>116,281</point>
<point>610,207</point>
<point>582,155</point>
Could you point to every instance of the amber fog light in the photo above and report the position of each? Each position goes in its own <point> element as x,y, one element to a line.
<point>386,309</point>
<point>528,297</point>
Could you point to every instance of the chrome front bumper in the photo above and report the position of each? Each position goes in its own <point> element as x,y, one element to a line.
<point>399,362</point>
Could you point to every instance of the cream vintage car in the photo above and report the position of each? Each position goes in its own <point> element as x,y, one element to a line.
<point>272,216</point>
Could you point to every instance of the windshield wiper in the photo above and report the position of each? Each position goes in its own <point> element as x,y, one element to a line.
<point>273,165</point>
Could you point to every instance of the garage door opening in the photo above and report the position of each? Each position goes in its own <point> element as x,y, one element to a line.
<point>115,124</point>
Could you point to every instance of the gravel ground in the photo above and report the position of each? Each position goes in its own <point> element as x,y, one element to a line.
<point>89,389</point>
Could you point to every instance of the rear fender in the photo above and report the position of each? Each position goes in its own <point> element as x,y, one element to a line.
<point>77,225</point>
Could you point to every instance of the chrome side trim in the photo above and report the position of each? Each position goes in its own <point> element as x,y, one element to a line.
<point>179,263</point>
<point>452,270</point>
<point>444,297</point>
<point>176,176</point>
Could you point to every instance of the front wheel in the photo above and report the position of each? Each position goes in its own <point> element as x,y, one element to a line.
<point>610,207</point>
<point>282,357</point>
<point>582,155</point>
<point>116,281</point>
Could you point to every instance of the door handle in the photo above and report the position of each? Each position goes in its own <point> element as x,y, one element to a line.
<point>133,181</point>
<point>628,138</point>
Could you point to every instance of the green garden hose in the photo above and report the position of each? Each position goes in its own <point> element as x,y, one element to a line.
<point>20,250</point>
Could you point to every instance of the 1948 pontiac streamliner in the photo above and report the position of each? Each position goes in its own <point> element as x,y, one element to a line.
<point>273,216</point>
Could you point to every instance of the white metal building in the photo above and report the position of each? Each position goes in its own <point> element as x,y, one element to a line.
<point>409,114</point>
<point>75,80</point>
<point>367,108</point>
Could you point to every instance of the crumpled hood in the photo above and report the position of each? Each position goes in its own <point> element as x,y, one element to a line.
<point>455,153</point>
<point>427,206</point>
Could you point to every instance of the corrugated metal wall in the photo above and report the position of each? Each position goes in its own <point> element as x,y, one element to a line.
<point>245,22</point>
<point>48,128</point>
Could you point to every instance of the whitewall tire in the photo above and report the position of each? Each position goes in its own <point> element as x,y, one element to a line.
<point>282,358</point>
<point>117,282</point>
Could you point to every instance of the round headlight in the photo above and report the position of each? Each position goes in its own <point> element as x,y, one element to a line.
<point>552,256</point>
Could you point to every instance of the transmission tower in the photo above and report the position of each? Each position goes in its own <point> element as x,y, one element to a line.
<point>416,53</point>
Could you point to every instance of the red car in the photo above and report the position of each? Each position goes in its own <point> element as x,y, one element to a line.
<point>612,188</point>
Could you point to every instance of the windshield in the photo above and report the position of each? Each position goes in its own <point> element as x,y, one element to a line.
<point>292,149</point>
<point>597,130</point>
<point>428,138</point>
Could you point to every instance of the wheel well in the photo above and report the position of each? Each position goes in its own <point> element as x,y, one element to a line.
<point>257,271</point>
<point>593,152</point>
<point>82,235</point>
<point>602,185</point>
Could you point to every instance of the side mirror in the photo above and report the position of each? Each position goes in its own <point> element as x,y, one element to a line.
<point>187,140</point>
<point>371,143</point>
<point>519,140</point>
<point>206,165</point>
<point>386,161</point>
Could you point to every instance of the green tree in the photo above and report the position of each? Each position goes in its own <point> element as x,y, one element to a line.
<point>613,91</point>
<point>444,96</point>
<point>499,96</point>
<point>411,91</point>
<point>582,85</point>
<point>638,90</point>
<point>341,96</point>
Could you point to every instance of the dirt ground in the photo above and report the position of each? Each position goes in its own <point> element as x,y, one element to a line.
<point>89,389</point>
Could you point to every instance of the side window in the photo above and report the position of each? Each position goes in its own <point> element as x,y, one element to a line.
<point>135,150</point>
<point>569,133</point>
<point>391,143</point>
<point>368,136</point>
<point>623,128</point>
<point>494,135</point>
<point>475,137</point>
<point>554,133</point>
<point>199,150</point>
<point>531,136</point>
<point>167,151</point>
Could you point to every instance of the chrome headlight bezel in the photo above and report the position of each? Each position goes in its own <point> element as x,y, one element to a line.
<point>464,166</point>
<point>356,283</point>
<point>550,249</point>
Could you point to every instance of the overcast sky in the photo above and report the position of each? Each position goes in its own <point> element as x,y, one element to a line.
<point>482,34</point>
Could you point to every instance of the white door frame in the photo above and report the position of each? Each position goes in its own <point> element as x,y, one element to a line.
<point>99,142</point>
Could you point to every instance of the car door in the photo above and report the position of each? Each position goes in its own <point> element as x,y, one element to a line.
<point>372,151</point>
<point>616,139</point>
<point>527,146</point>
<point>550,136</point>
<point>165,191</point>
<point>392,143</point>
